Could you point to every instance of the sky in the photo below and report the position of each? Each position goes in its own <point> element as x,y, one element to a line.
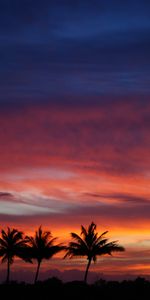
<point>74,124</point>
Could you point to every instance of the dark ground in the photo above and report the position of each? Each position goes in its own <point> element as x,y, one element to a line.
<point>54,289</point>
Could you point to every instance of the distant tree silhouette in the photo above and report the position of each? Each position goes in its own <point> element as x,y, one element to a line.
<point>12,244</point>
<point>91,245</point>
<point>42,247</point>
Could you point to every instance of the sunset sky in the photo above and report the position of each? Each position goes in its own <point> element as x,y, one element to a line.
<point>75,123</point>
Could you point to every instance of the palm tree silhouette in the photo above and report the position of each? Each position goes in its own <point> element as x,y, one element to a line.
<point>12,244</point>
<point>42,247</point>
<point>91,245</point>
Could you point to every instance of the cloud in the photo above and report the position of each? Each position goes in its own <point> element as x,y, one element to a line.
<point>118,208</point>
<point>5,195</point>
<point>113,213</point>
<point>19,209</point>
<point>123,198</point>
<point>74,117</point>
<point>110,138</point>
<point>38,173</point>
<point>30,203</point>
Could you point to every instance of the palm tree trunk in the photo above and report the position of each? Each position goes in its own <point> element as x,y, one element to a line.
<point>86,272</point>
<point>8,271</point>
<point>37,272</point>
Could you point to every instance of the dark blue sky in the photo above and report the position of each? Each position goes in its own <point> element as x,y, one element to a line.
<point>74,50</point>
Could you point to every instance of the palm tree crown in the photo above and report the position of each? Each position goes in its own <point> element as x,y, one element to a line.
<point>41,246</point>
<point>91,245</point>
<point>12,244</point>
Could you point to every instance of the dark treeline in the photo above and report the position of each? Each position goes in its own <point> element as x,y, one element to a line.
<point>54,288</point>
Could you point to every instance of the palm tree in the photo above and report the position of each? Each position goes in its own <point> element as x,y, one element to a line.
<point>42,247</point>
<point>91,245</point>
<point>12,244</point>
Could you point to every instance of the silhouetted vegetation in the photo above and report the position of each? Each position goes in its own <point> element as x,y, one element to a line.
<point>41,246</point>
<point>54,288</point>
<point>91,245</point>
<point>12,244</point>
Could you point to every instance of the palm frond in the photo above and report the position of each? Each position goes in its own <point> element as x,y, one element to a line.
<point>41,245</point>
<point>83,231</point>
<point>3,243</point>
<point>78,239</point>
<point>91,244</point>
<point>51,242</point>
<point>4,235</point>
<point>91,228</point>
<point>100,243</point>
